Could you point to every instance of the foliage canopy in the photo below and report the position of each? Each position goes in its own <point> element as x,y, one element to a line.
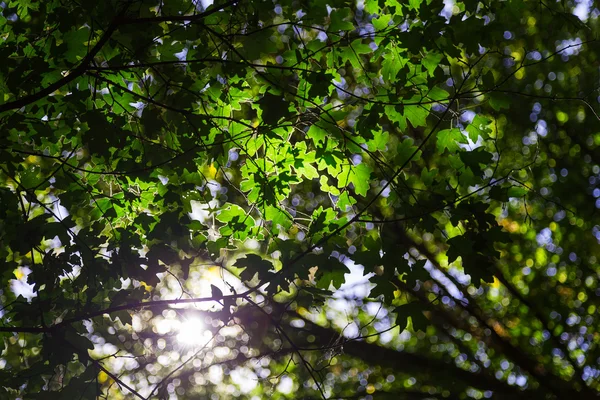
<point>299,199</point>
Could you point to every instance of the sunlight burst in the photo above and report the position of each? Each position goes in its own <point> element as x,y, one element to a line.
<point>193,332</point>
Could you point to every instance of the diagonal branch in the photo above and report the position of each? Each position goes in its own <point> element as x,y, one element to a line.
<point>129,306</point>
<point>73,74</point>
<point>178,18</point>
<point>546,378</point>
<point>84,64</point>
<point>295,348</point>
<point>402,361</point>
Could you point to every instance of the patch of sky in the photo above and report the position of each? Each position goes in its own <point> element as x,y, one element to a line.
<point>20,287</point>
<point>541,128</point>
<point>544,237</point>
<point>569,47</point>
<point>582,9</point>
<point>201,211</point>
<point>448,9</point>
<point>356,283</point>
<point>386,192</point>
<point>445,281</point>
<point>182,55</point>
<point>203,4</point>
<point>467,116</point>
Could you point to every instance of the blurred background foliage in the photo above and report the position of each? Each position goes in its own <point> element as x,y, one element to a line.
<point>299,199</point>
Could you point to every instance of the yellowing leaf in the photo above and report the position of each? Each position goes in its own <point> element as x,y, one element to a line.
<point>211,171</point>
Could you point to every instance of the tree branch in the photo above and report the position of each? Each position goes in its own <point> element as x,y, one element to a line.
<point>411,363</point>
<point>84,64</point>
<point>178,18</point>
<point>73,74</point>
<point>129,306</point>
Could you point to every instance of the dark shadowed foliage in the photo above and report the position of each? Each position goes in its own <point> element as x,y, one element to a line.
<point>299,199</point>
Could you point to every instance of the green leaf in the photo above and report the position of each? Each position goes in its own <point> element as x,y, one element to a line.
<point>345,202</point>
<point>215,292</point>
<point>274,108</point>
<point>335,278</point>
<point>479,127</point>
<point>75,41</point>
<point>407,151</point>
<point>359,176</point>
<point>499,193</point>
<point>474,159</point>
<point>488,80</point>
<point>449,139</point>
<point>459,246</point>
<point>497,235</point>
<point>232,211</point>
<point>124,317</point>
<point>427,176</point>
<point>353,51</point>
<point>417,115</point>
<point>517,191</point>
<point>254,265</point>
<point>330,272</point>
<point>381,22</point>
<point>499,101</point>
<point>32,177</point>
<point>319,83</point>
<point>416,273</point>
<point>78,341</point>
<point>438,94</point>
<point>278,217</point>
<point>339,21</point>
<point>237,222</point>
<point>393,62</point>
<point>414,311</point>
<point>232,107</point>
<point>415,4</point>
<point>317,134</point>
<point>320,221</point>
<point>431,61</point>
<point>383,287</point>
<point>379,142</point>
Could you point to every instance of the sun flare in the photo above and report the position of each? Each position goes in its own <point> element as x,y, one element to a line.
<point>193,332</point>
